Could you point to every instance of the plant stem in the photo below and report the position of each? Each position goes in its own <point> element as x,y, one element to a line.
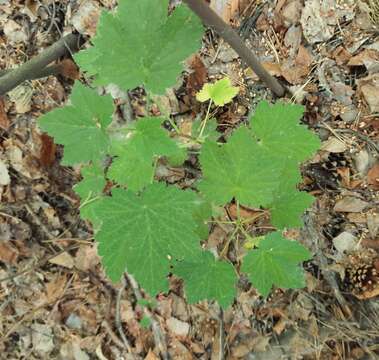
<point>174,126</point>
<point>211,19</point>
<point>37,67</point>
<point>203,125</point>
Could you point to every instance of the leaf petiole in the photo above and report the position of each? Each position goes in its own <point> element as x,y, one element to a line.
<point>205,121</point>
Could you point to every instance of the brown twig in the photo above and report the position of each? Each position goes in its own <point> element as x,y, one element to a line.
<point>221,355</point>
<point>159,338</point>
<point>38,66</point>
<point>210,18</point>
<point>118,318</point>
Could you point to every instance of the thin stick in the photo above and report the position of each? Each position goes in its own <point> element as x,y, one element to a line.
<point>159,338</point>
<point>33,68</point>
<point>210,18</point>
<point>221,355</point>
<point>118,317</point>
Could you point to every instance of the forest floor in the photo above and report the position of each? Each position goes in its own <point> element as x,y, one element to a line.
<point>55,301</point>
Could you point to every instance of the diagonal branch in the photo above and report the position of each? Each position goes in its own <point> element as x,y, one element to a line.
<point>210,18</point>
<point>38,66</point>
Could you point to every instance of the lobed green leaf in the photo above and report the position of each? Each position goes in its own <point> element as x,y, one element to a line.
<point>140,232</point>
<point>276,262</point>
<point>134,164</point>
<point>207,278</point>
<point>142,45</point>
<point>237,169</point>
<point>81,126</point>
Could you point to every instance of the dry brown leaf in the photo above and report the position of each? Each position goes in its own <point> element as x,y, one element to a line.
<point>334,145</point>
<point>198,77</point>
<point>151,356</point>
<point>47,151</point>
<point>4,174</point>
<point>369,88</point>
<point>86,258</point>
<point>8,253</point>
<point>244,212</point>
<point>291,12</point>
<point>178,351</point>
<point>364,58</point>
<point>274,69</point>
<point>55,288</point>
<point>318,20</point>
<point>69,69</point>
<point>341,55</point>
<point>344,172</point>
<point>4,120</point>
<point>350,204</point>
<point>373,177</point>
<point>229,9</point>
<point>64,259</point>
<point>294,71</point>
<point>178,327</point>
<point>86,18</point>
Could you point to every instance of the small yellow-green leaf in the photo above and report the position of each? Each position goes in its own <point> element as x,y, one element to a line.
<point>221,92</point>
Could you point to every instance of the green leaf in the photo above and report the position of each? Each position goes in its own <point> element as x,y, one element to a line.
<point>139,232</point>
<point>134,165</point>
<point>221,92</point>
<point>276,262</point>
<point>238,170</point>
<point>145,322</point>
<point>288,206</point>
<point>92,183</point>
<point>207,278</point>
<point>141,45</point>
<point>202,214</point>
<point>90,189</point>
<point>81,126</point>
<point>280,134</point>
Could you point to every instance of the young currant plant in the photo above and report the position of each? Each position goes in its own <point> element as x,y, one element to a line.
<point>146,227</point>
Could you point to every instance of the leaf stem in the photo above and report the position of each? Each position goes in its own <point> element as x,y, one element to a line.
<point>174,126</point>
<point>89,200</point>
<point>205,121</point>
